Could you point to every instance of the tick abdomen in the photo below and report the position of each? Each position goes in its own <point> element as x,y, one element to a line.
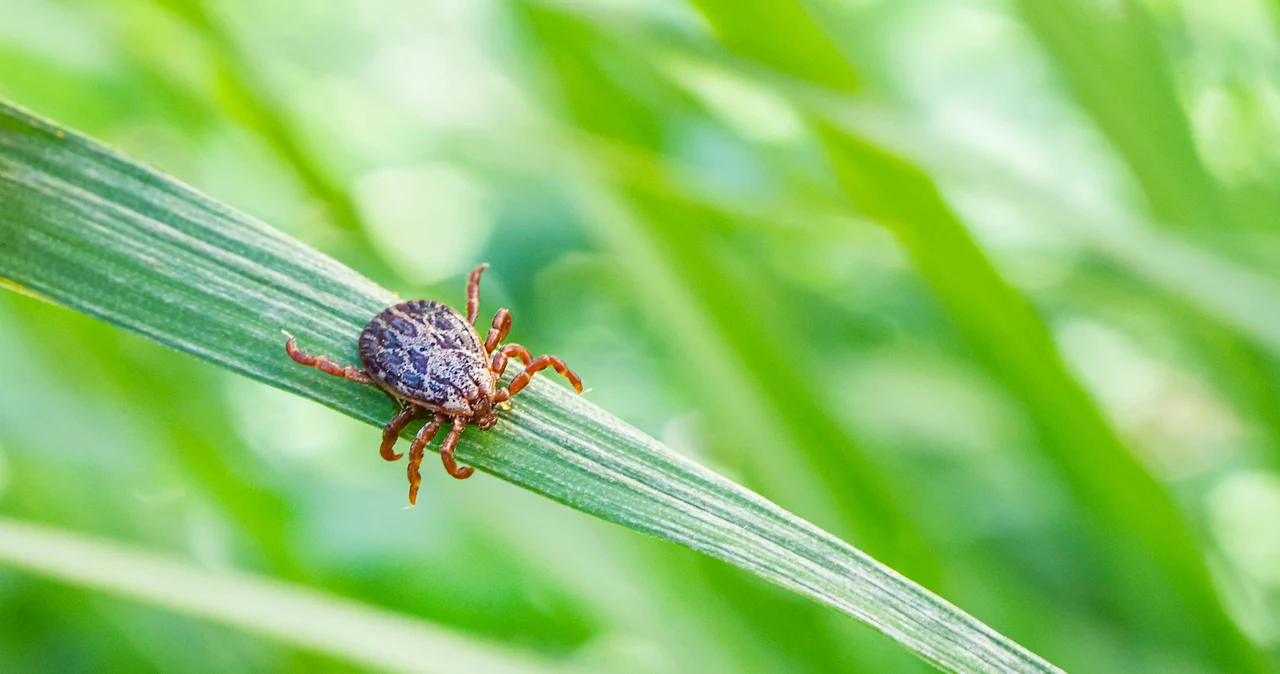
<point>426,352</point>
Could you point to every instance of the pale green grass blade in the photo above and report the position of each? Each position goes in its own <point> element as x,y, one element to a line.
<point>1241,299</point>
<point>88,229</point>
<point>1112,62</point>
<point>1146,539</point>
<point>744,357</point>
<point>246,99</point>
<point>1239,305</point>
<point>294,615</point>
<point>752,28</point>
<point>1139,523</point>
<point>1115,64</point>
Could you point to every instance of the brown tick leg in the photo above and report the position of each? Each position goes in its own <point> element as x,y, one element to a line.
<point>446,451</point>
<point>497,333</point>
<point>519,352</point>
<point>499,363</point>
<point>473,293</point>
<point>540,363</point>
<point>325,365</point>
<point>420,442</point>
<point>391,432</point>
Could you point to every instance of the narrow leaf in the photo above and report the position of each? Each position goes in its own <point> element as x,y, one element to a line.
<point>88,229</point>
<point>1144,533</point>
<point>301,617</point>
<point>739,27</point>
<point>1113,63</point>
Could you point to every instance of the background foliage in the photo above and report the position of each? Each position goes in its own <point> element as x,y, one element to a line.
<point>984,288</point>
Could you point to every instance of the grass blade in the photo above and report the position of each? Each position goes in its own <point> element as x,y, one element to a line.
<point>710,300</point>
<point>1240,298</point>
<point>1113,64</point>
<point>88,229</point>
<point>1143,530</point>
<point>297,616</point>
<point>738,27</point>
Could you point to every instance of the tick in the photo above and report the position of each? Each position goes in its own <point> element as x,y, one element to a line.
<point>433,363</point>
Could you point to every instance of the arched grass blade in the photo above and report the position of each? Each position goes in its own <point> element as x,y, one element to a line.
<point>89,229</point>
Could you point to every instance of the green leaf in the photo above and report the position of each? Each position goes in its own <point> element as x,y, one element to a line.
<point>91,230</point>
<point>1147,544</point>
<point>1145,536</point>
<point>743,357</point>
<point>298,616</point>
<point>805,52</point>
<point>1112,61</point>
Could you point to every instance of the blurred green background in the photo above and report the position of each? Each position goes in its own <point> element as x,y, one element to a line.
<point>986,288</point>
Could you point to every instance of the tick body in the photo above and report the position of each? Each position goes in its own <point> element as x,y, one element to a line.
<point>431,360</point>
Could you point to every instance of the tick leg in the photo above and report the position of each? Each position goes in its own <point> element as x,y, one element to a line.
<point>538,364</point>
<point>518,352</point>
<point>499,363</point>
<point>391,432</point>
<point>473,293</point>
<point>446,451</point>
<point>420,442</point>
<point>497,333</point>
<point>325,365</point>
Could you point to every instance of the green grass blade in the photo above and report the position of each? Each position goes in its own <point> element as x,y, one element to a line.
<point>297,616</point>
<point>739,27</point>
<point>88,229</point>
<point>743,360</point>
<point>1236,306</point>
<point>1142,530</point>
<point>1241,299</point>
<point>247,101</point>
<point>1113,63</point>
<point>1147,541</point>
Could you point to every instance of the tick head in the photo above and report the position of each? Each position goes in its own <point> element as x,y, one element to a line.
<point>484,416</point>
